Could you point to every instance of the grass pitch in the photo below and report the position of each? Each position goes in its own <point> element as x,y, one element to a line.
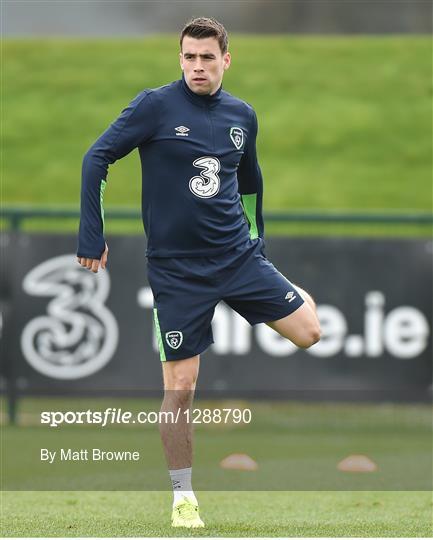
<point>249,514</point>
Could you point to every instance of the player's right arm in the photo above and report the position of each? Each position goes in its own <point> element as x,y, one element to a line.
<point>131,129</point>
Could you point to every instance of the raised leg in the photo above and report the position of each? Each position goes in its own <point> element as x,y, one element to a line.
<point>302,326</point>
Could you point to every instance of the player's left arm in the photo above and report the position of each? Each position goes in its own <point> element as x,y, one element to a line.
<point>251,183</point>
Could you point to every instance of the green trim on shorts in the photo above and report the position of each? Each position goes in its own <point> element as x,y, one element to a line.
<point>159,336</point>
<point>101,201</point>
<point>249,202</point>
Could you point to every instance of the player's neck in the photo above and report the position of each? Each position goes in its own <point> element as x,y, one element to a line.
<point>202,99</point>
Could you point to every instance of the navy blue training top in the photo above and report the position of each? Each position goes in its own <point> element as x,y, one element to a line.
<point>202,186</point>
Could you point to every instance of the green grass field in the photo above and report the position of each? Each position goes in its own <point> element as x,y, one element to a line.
<point>344,122</point>
<point>249,514</point>
<point>297,490</point>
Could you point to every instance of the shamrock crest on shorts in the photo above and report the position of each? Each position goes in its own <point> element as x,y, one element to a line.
<point>174,339</point>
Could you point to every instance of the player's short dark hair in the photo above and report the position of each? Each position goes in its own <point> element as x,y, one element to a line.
<point>203,27</point>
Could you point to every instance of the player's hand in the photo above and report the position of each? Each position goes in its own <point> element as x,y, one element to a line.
<point>93,264</point>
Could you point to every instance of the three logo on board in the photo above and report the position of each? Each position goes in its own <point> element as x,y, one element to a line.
<point>78,335</point>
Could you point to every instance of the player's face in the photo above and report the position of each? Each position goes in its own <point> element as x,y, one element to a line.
<point>203,64</point>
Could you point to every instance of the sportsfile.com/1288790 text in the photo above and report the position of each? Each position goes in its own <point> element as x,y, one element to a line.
<point>115,416</point>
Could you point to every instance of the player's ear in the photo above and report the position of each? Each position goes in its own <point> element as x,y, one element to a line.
<point>181,60</point>
<point>227,60</point>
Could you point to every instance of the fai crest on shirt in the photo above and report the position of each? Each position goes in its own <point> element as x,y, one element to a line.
<point>237,137</point>
<point>174,339</point>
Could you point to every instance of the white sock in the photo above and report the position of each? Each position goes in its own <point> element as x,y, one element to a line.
<point>181,482</point>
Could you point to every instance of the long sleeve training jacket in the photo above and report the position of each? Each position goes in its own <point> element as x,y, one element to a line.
<point>202,186</point>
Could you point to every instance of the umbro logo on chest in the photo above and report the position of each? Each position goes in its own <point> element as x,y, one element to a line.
<point>181,131</point>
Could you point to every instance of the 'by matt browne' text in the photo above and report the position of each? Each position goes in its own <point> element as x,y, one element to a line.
<point>85,454</point>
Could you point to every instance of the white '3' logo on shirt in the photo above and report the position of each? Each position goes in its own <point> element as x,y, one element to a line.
<point>208,183</point>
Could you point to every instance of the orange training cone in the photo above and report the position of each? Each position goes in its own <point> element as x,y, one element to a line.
<point>240,462</point>
<point>357,463</point>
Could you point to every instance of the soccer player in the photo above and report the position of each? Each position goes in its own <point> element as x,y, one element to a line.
<point>202,213</point>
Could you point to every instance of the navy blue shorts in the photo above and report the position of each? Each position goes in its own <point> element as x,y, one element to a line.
<point>187,290</point>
